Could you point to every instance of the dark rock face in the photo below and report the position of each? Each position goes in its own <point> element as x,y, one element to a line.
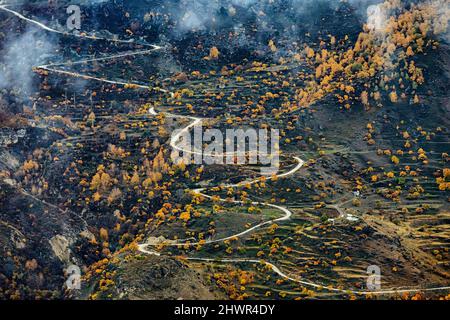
<point>161,278</point>
<point>152,273</point>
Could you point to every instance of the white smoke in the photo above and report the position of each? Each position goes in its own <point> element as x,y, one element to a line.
<point>377,17</point>
<point>195,15</point>
<point>191,21</point>
<point>20,55</point>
